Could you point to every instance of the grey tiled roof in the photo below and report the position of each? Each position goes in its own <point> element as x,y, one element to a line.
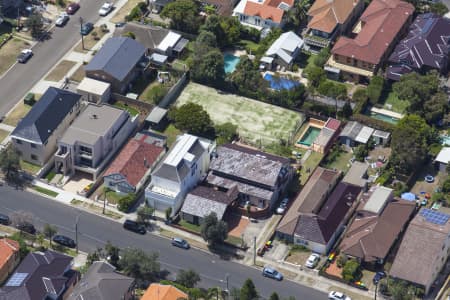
<point>201,204</point>
<point>46,115</point>
<point>117,57</point>
<point>351,130</point>
<point>102,282</point>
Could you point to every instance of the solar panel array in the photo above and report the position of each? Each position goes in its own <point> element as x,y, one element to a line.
<point>16,279</point>
<point>434,217</point>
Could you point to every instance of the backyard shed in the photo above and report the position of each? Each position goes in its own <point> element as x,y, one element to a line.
<point>155,118</point>
<point>381,137</point>
<point>377,200</point>
<point>442,159</point>
<point>94,91</point>
<point>357,175</point>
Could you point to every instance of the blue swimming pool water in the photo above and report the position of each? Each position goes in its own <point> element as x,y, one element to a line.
<point>230,62</point>
<point>278,83</point>
<point>384,118</point>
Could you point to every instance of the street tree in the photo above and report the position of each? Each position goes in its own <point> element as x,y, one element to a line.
<point>140,265</point>
<point>192,118</point>
<point>49,231</point>
<point>409,143</point>
<point>144,214</point>
<point>10,164</point>
<point>36,24</point>
<point>112,254</point>
<point>188,278</point>
<point>248,291</point>
<point>183,15</point>
<point>212,230</point>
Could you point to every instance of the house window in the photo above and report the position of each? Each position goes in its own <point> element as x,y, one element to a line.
<point>85,150</point>
<point>302,242</point>
<point>33,145</point>
<point>349,60</point>
<point>18,141</point>
<point>34,157</point>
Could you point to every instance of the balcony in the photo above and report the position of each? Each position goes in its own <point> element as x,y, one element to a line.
<point>316,41</point>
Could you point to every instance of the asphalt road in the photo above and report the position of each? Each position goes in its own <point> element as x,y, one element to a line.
<point>94,231</point>
<point>22,77</point>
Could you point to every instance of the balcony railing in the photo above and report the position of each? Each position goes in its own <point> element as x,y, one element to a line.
<point>316,41</point>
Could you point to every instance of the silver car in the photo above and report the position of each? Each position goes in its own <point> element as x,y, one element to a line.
<point>62,19</point>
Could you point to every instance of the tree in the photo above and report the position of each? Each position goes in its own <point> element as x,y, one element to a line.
<point>438,8</point>
<point>144,214</point>
<point>188,278</point>
<point>10,164</point>
<point>183,14</point>
<point>209,68</point>
<point>248,79</point>
<point>212,25</point>
<point>232,29</point>
<point>139,264</point>
<point>298,14</point>
<point>435,108</point>
<point>347,110</point>
<point>168,212</point>
<point>375,88</point>
<point>112,253</point>
<point>361,152</point>
<point>248,291</point>
<point>315,75</point>
<point>351,271</point>
<point>360,95</point>
<point>446,185</point>
<point>212,230</point>
<point>94,256</point>
<point>49,231</point>
<point>192,118</point>
<point>409,143</point>
<point>205,41</point>
<point>225,133</point>
<point>36,24</point>
<point>274,296</point>
<point>321,58</point>
<point>23,247</point>
<point>125,203</point>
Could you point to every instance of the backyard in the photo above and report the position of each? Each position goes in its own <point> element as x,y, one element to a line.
<point>393,103</point>
<point>258,123</point>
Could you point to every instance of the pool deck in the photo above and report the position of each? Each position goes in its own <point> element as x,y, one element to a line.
<point>386,112</point>
<point>235,52</point>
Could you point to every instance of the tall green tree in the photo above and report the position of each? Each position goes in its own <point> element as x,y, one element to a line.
<point>183,14</point>
<point>10,164</point>
<point>232,29</point>
<point>140,265</point>
<point>409,143</point>
<point>247,78</point>
<point>435,108</point>
<point>49,231</point>
<point>209,68</point>
<point>192,118</point>
<point>438,8</point>
<point>36,24</point>
<point>212,230</point>
<point>351,271</point>
<point>248,291</point>
<point>188,278</point>
<point>212,24</point>
<point>375,88</point>
<point>315,75</point>
<point>144,214</point>
<point>321,58</point>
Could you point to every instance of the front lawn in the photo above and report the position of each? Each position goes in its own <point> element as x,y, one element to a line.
<point>60,71</point>
<point>114,197</point>
<point>396,104</point>
<point>29,167</point>
<point>189,226</point>
<point>17,114</point>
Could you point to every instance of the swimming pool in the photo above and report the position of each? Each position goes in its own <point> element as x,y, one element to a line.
<point>309,136</point>
<point>230,62</point>
<point>384,118</point>
<point>278,83</point>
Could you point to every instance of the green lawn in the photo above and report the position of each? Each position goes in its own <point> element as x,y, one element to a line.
<point>398,105</point>
<point>50,176</point>
<point>45,191</point>
<point>341,162</point>
<point>29,167</point>
<point>189,226</point>
<point>249,45</point>
<point>114,197</point>
<point>171,132</point>
<point>311,163</point>
<point>131,110</point>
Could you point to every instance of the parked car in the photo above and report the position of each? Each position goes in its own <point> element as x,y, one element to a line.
<point>105,9</point>
<point>120,24</point>
<point>26,227</point>
<point>4,219</point>
<point>86,28</point>
<point>179,242</point>
<point>272,273</point>
<point>64,240</point>
<point>378,276</point>
<point>72,8</point>
<point>312,261</point>
<point>338,296</point>
<point>62,19</point>
<point>134,226</point>
<point>24,55</point>
<point>283,206</point>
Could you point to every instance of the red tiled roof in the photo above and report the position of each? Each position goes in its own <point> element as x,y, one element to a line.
<point>130,161</point>
<point>7,249</point>
<point>333,124</point>
<point>326,14</point>
<point>267,10</point>
<point>381,22</point>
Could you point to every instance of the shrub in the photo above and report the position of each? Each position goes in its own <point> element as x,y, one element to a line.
<point>341,260</point>
<point>157,93</point>
<point>124,204</point>
<point>351,271</point>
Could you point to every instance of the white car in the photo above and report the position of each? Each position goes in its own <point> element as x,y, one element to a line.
<point>338,296</point>
<point>312,260</point>
<point>283,206</point>
<point>105,9</point>
<point>62,19</point>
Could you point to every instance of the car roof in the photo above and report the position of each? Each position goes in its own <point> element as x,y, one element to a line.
<point>339,294</point>
<point>178,239</point>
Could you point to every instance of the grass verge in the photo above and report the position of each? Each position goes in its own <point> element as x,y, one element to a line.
<point>124,11</point>
<point>9,51</point>
<point>14,117</point>
<point>78,75</point>
<point>45,191</point>
<point>90,40</point>
<point>60,71</point>
<point>3,134</point>
<point>96,209</point>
